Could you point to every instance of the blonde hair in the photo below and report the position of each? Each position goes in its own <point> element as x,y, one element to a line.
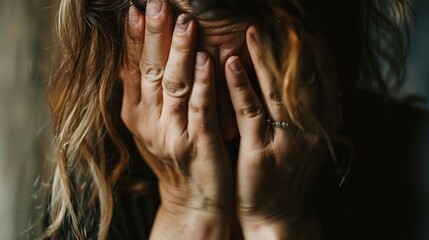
<point>90,155</point>
<point>85,97</point>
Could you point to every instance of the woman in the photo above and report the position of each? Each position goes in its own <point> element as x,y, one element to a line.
<point>234,106</point>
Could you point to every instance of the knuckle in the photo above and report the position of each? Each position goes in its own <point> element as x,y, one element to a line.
<point>251,110</point>
<point>156,26</point>
<point>246,208</point>
<point>199,108</point>
<point>202,82</point>
<point>275,97</point>
<point>129,70</point>
<point>181,47</point>
<point>153,40</point>
<point>261,61</point>
<point>177,107</point>
<point>242,89</point>
<point>175,87</point>
<point>134,36</point>
<point>150,71</point>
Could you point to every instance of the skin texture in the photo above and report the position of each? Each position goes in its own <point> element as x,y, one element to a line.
<point>185,96</point>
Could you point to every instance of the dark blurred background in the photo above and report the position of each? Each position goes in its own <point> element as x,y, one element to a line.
<point>25,44</point>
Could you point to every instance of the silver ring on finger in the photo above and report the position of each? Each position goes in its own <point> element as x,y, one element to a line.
<point>277,124</point>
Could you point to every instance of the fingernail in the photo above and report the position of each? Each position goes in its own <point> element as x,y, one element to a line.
<point>235,65</point>
<point>154,7</point>
<point>133,16</point>
<point>201,59</point>
<point>182,23</point>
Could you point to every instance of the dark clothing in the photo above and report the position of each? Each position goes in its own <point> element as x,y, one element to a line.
<point>135,211</point>
<point>381,198</point>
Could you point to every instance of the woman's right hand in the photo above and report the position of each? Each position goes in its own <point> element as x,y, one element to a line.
<point>170,108</point>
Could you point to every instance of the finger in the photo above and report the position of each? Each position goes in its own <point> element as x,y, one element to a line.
<point>270,90</point>
<point>130,71</point>
<point>202,101</point>
<point>248,108</point>
<point>178,73</point>
<point>158,33</point>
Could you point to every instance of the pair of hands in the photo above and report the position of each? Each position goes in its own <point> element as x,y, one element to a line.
<point>169,105</point>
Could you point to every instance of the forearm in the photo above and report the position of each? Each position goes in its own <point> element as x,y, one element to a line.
<point>190,225</point>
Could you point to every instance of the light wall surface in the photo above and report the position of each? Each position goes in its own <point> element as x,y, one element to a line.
<point>23,111</point>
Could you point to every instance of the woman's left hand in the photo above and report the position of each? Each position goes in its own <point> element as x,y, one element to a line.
<point>274,175</point>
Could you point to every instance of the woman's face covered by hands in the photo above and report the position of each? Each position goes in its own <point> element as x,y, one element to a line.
<point>222,38</point>
<point>189,89</point>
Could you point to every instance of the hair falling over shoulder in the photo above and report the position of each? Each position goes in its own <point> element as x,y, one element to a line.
<point>85,92</point>
<point>89,154</point>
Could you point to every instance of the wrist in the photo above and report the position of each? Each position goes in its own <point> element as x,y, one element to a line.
<point>296,228</point>
<point>183,200</point>
<point>184,223</point>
